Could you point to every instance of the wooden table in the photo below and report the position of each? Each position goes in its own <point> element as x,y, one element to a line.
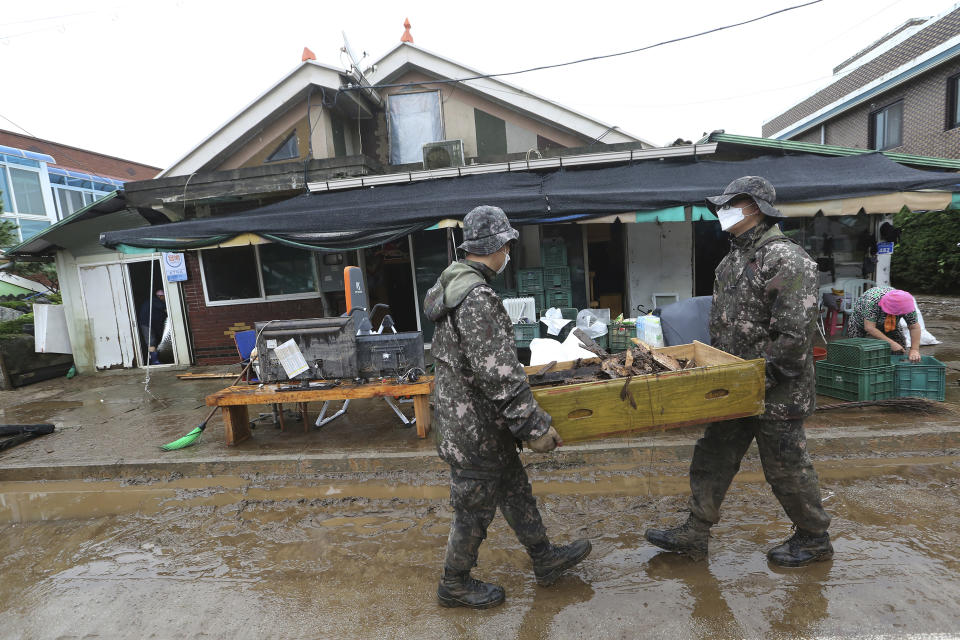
<point>233,401</point>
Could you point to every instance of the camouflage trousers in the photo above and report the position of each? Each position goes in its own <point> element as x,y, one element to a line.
<point>786,466</point>
<point>475,500</point>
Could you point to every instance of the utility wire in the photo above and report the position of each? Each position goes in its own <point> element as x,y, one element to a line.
<point>590,59</point>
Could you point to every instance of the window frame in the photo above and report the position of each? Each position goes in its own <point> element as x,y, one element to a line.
<point>391,133</point>
<point>264,298</point>
<point>952,119</point>
<point>872,126</point>
<point>293,135</point>
<point>46,193</point>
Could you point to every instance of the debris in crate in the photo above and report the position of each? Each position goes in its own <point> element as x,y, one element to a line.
<point>641,360</point>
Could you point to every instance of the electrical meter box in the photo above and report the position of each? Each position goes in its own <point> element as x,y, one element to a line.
<point>331,272</point>
<point>329,345</point>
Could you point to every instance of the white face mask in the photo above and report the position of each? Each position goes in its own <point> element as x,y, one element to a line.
<point>729,216</point>
<point>506,260</point>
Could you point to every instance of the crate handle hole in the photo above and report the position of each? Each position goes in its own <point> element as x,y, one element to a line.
<point>716,393</point>
<point>579,414</point>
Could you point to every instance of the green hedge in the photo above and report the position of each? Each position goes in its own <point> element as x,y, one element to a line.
<point>927,259</point>
<point>15,326</point>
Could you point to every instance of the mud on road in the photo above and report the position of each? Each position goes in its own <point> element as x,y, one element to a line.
<point>367,567</point>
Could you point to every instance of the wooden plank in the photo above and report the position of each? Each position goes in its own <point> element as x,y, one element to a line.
<point>205,376</point>
<point>268,394</point>
<point>563,366</point>
<point>710,393</point>
<point>421,412</point>
<point>236,424</point>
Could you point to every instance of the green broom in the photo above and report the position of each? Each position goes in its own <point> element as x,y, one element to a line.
<point>190,438</point>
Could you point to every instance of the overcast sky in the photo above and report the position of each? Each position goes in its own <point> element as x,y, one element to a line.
<point>147,81</point>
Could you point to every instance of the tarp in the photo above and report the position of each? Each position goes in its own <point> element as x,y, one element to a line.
<point>339,220</point>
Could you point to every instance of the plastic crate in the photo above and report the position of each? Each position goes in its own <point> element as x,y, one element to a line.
<point>553,253</point>
<point>859,353</point>
<point>524,333</point>
<point>556,277</point>
<point>604,342</point>
<point>620,336</point>
<point>848,383</point>
<point>530,281</point>
<point>924,379</point>
<point>503,294</point>
<point>558,298</point>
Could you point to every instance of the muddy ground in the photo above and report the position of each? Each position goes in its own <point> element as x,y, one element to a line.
<point>367,568</point>
<point>340,532</point>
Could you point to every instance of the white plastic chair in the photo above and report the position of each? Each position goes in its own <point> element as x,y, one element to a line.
<point>853,288</point>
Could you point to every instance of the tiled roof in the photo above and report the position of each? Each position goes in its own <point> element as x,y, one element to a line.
<point>927,38</point>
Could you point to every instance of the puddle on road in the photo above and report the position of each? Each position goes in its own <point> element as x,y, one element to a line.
<point>39,411</point>
<point>362,567</point>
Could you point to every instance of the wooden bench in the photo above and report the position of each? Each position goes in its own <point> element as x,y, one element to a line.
<point>233,402</point>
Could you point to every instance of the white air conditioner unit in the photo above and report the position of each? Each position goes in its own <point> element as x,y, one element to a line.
<point>443,154</point>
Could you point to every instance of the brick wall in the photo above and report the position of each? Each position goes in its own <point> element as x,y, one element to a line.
<point>212,328</point>
<point>924,118</point>
<point>927,38</point>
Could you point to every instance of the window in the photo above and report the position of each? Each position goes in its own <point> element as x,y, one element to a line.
<point>414,119</point>
<point>953,102</point>
<point>491,134</point>
<point>27,192</point>
<point>257,273</point>
<point>288,149</point>
<point>886,127</point>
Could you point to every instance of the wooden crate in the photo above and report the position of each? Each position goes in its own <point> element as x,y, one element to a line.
<point>720,387</point>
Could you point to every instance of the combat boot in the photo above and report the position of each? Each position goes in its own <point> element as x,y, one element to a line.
<point>801,549</point>
<point>458,589</point>
<point>690,538</point>
<point>550,561</point>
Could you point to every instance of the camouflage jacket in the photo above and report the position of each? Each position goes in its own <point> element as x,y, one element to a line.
<point>483,402</point>
<point>765,306</point>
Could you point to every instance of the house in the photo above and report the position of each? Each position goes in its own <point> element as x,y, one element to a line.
<point>322,171</point>
<point>43,181</point>
<point>901,93</point>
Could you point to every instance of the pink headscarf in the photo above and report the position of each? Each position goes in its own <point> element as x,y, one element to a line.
<point>897,302</point>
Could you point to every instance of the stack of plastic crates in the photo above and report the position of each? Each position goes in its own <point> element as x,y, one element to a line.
<point>856,369</point>
<point>530,285</point>
<point>558,291</point>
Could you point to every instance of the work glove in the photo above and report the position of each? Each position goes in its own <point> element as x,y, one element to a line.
<point>547,442</point>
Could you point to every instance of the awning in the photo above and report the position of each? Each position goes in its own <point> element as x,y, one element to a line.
<point>350,219</point>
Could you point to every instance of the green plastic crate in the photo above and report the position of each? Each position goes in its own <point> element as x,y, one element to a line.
<point>604,342</point>
<point>859,353</point>
<point>848,383</point>
<point>553,253</point>
<point>558,298</point>
<point>556,277</point>
<point>530,281</point>
<point>924,379</point>
<point>524,333</point>
<point>620,337</point>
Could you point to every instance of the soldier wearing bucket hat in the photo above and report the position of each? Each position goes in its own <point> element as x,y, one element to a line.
<point>484,407</point>
<point>764,306</point>
<point>877,314</point>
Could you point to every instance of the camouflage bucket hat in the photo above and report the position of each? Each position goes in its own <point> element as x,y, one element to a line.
<point>485,230</point>
<point>755,187</point>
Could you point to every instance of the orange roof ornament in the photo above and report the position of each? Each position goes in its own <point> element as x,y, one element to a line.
<point>307,55</point>
<point>406,37</point>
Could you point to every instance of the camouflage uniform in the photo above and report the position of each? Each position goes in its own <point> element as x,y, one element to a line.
<point>484,406</point>
<point>765,306</point>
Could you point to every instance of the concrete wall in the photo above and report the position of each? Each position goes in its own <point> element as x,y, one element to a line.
<point>659,260</point>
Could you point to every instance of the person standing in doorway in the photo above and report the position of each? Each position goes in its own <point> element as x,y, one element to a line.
<point>764,306</point>
<point>151,317</point>
<point>484,410</point>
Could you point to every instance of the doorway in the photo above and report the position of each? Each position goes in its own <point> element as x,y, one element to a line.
<point>390,282</point>
<point>710,244</point>
<point>606,246</point>
<point>151,312</point>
